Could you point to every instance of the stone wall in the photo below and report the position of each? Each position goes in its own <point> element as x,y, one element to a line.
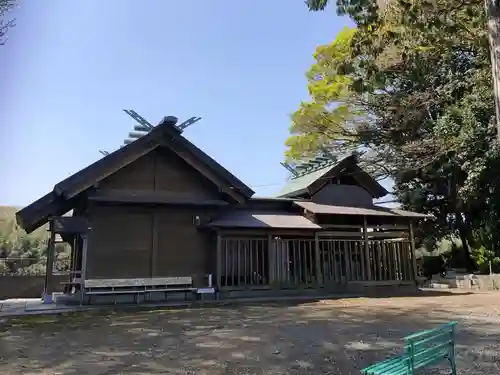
<point>470,282</point>
<point>27,286</point>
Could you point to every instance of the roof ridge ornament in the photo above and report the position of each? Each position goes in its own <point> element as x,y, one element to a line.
<point>322,160</point>
<point>143,127</point>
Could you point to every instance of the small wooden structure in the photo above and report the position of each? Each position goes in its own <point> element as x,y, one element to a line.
<point>161,209</point>
<point>72,230</point>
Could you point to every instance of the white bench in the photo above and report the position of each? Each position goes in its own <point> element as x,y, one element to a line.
<point>138,286</point>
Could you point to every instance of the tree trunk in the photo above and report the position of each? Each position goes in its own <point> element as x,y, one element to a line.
<point>493,13</point>
<point>464,233</point>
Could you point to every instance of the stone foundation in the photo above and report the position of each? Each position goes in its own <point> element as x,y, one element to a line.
<point>27,286</point>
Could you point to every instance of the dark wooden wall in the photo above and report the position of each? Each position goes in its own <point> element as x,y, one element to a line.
<point>153,240</point>
<point>343,195</point>
<point>162,170</point>
<point>120,243</point>
<point>183,249</point>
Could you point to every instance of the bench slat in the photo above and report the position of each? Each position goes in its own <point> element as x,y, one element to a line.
<point>446,327</point>
<point>115,292</point>
<point>429,360</point>
<point>441,349</point>
<point>396,365</point>
<point>433,340</point>
<point>432,344</point>
<point>109,283</point>
<point>137,291</point>
<point>171,290</point>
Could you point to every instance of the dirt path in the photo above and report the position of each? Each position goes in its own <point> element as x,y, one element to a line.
<point>325,337</point>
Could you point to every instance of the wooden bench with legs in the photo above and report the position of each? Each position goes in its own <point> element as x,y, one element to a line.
<point>422,349</point>
<point>138,286</point>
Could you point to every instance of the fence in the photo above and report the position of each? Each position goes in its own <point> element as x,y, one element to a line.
<point>244,262</point>
<point>256,262</point>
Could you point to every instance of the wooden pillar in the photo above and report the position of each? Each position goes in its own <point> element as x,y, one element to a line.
<point>412,249</point>
<point>78,263</point>
<point>394,255</point>
<point>72,264</point>
<point>73,256</point>
<point>219,261</point>
<point>47,287</point>
<point>319,275</point>
<point>347,260</point>
<point>154,246</point>
<point>83,270</point>
<point>367,249</point>
<point>272,260</point>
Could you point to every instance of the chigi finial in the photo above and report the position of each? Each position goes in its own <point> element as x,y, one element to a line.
<point>322,160</point>
<point>143,126</point>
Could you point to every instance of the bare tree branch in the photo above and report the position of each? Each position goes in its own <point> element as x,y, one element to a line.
<point>5,24</point>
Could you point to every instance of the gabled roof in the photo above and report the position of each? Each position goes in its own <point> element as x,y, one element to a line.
<point>312,182</point>
<point>165,134</point>
<point>298,186</point>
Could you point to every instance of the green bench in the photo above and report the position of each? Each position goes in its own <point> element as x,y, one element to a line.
<point>422,349</point>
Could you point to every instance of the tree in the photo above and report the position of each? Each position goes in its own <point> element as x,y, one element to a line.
<point>315,123</point>
<point>411,87</point>
<point>365,12</point>
<point>5,25</point>
<point>22,253</point>
<point>493,11</point>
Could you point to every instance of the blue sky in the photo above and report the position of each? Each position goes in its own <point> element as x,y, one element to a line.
<point>70,67</point>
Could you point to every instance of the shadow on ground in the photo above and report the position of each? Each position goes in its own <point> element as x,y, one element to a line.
<point>327,337</point>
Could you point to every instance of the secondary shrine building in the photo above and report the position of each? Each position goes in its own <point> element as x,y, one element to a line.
<point>159,216</point>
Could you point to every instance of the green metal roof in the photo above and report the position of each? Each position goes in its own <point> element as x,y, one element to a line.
<point>298,185</point>
<point>313,171</point>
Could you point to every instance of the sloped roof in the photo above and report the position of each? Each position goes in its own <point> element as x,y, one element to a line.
<point>303,184</point>
<point>358,211</point>
<point>259,219</point>
<point>299,185</point>
<point>60,199</point>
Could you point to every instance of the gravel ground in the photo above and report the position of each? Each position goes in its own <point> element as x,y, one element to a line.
<point>322,337</point>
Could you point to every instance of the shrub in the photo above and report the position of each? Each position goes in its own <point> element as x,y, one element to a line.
<point>495,266</point>
<point>482,257</point>
<point>3,268</point>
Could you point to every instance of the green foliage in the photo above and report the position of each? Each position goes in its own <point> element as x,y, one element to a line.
<point>410,86</point>
<point>325,117</point>
<point>483,258</point>
<point>447,245</point>
<point>25,254</point>
<point>452,249</point>
<point>496,265</point>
